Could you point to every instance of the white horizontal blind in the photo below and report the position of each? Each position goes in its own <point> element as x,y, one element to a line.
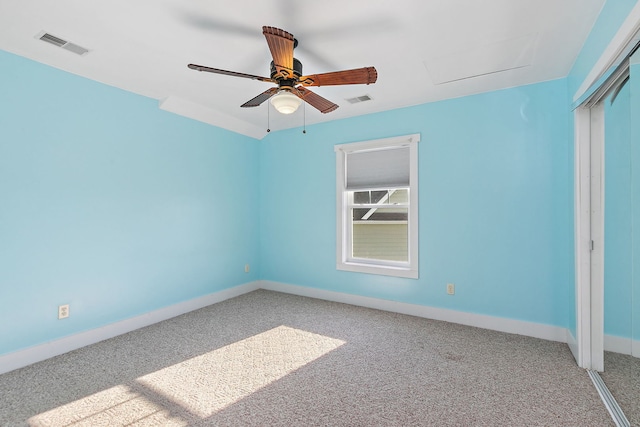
<point>388,242</point>
<point>385,168</point>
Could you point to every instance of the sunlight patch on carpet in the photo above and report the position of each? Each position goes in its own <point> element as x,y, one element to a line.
<point>206,384</point>
<point>198,387</point>
<point>116,406</point>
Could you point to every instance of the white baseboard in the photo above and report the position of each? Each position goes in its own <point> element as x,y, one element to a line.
<point>21,358</point>
<point>617,344</point>
<point>622,345</point>
<point>536,330</point>
<point>572,342</point>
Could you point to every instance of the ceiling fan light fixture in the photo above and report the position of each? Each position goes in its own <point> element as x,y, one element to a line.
<point>286,73</point>
<point>286,102</point>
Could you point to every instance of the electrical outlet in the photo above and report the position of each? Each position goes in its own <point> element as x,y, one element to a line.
<point>246,268</point>
<point>63,311</point>
<point>451,288</point>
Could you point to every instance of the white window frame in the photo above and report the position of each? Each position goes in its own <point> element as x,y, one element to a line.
<point>407,269</point>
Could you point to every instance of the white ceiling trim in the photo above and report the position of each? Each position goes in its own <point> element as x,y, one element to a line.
<point>192,110</point>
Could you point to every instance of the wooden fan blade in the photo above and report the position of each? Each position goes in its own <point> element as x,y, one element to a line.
<point>366,75</point>
<point>281,46</point>
<point>229,73</point>
<point>321,104</point>
<point>260,98</point>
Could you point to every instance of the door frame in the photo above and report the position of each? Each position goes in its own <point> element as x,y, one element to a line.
<point>589,236</point>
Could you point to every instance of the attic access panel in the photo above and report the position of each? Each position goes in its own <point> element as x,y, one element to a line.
<point>482,60</point>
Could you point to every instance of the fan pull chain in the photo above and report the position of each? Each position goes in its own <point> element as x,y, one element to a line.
<point>304,117</point>
<point>268,117</point>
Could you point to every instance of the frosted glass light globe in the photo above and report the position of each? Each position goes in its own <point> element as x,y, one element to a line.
<point>286,102</point>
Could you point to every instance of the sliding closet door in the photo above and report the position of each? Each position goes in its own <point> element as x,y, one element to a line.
<point>634,84</point>
<point>618,224</point>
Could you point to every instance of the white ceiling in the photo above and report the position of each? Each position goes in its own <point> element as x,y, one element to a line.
<point>424,50</point>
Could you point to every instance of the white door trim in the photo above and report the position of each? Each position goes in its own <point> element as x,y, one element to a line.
<point>597,177</point>
<point>582,212</point>
<point>589,236</point>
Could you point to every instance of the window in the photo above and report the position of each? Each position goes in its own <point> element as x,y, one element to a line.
<point>377,206</point>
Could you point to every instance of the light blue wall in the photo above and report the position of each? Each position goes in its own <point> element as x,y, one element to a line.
<point>112,206</point>
<point>496,215</point>
<point>618,218</point>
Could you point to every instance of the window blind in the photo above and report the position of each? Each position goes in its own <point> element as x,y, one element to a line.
<point>388,168</point>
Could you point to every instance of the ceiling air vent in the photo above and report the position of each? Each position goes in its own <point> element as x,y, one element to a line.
<point>359,99</point>
<point>57,41</point>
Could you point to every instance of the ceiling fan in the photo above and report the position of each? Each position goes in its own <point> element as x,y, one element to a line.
<point>286,72</point>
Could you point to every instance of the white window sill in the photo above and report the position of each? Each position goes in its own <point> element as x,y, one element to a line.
<point>378,269</point>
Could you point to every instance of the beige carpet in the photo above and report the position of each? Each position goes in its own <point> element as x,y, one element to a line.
<point>622,377</point>
<point>271,359</point>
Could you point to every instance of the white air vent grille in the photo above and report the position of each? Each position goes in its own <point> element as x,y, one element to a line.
<point>53,40</point>
<point>57,41</point>
<point>75,48</point>
<point>357,99</point>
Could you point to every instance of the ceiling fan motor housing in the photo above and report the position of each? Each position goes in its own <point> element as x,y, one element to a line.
<point>297,69</point>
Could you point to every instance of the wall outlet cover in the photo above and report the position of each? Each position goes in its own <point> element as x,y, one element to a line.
<point>63,311</point>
